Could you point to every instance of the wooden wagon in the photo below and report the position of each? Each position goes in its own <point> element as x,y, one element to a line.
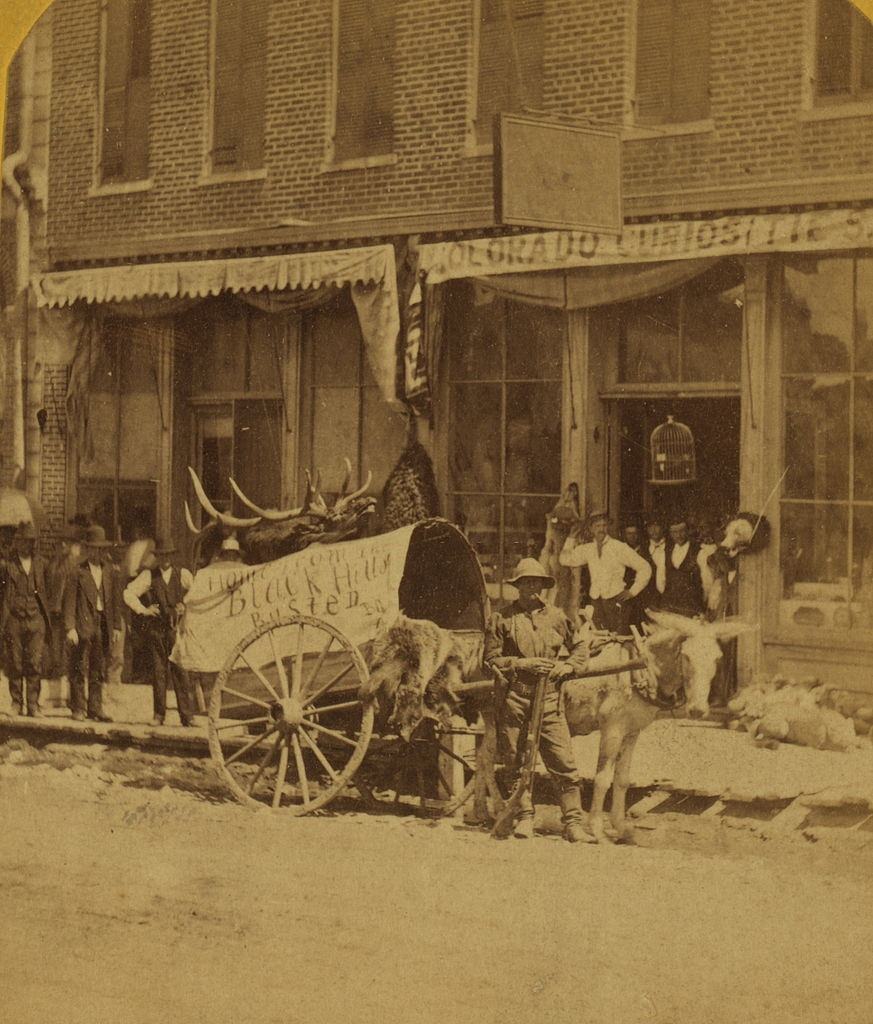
<point>286,647</point>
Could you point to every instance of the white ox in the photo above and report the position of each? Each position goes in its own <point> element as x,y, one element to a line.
<point>679,653</point>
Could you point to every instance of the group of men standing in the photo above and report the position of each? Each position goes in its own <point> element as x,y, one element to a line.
<point>662,571</point>
<point>65,616</point>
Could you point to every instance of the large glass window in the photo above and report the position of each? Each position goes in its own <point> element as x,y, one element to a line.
<point>504,371</point>
<point>119,465</point>
<point>827,396</point>
<point>343,412</point>
<point>692,334</point>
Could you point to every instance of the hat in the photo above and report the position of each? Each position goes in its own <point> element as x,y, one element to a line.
<point>530,568</point>
<point>230,544</point>
<point>597,514</point>
<point>95,537</point>
<point>164,546</point>
<point>25,531</point>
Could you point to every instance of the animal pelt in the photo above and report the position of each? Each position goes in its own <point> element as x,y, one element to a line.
<point>414,667</point>
<point>559,522</point>
<point>410,494</point>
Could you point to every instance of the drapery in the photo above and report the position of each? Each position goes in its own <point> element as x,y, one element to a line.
<point>286,280</point>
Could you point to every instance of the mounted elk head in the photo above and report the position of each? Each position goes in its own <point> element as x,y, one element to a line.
<point>274,533</point>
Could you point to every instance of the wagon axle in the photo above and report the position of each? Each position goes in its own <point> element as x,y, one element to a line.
<point>287,713</point>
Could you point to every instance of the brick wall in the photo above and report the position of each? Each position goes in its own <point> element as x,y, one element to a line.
<point>756,91</point>
<point>54,448</point>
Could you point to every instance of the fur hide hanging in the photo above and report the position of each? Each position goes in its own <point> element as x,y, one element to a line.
<point>414,667</point>
<point>410,494</point>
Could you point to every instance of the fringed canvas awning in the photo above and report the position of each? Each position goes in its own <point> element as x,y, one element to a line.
<point>369,272</point>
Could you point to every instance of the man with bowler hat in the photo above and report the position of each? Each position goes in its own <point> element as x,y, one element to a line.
<point>92,617</point>
<point>156,597</point>
<point>524,643</point>
<point>24,621</point>
<point>607,559</point>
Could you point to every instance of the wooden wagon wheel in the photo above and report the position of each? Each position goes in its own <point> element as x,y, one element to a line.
<point>303,740</point>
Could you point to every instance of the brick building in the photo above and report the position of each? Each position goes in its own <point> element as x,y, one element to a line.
<point>242,195</point>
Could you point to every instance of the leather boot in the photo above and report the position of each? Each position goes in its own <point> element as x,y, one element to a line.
<point>571,815</point>
<point>524,827</point>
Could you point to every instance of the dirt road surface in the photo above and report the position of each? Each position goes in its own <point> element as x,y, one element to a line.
<point>125,904</point>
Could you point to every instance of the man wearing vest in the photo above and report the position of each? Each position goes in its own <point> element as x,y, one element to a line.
<point>683,587</point>
<point>156,595</point>
<point>607,559</point>
<point>24,621</point>
<point>92,617</point>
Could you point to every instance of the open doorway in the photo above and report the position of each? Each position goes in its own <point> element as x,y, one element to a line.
<point>714,495</point>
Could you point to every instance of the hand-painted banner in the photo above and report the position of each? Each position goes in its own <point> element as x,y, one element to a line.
<point>809,231</point>
<point>354,586</point>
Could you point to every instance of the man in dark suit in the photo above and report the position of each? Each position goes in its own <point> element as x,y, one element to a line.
<point>60,567</point>
<point>24,621</point>
<point>683,592</point>
<point>636,605</point>
<point>92,617</point>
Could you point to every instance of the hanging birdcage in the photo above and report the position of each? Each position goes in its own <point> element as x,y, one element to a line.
<point>672,451</point>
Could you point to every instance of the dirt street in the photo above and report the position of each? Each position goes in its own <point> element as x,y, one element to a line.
<point>130,904</point>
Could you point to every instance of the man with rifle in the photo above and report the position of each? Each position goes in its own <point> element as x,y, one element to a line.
<point>523,645</point>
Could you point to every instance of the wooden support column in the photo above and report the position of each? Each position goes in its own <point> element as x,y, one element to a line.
<point>574,460</point>
<point>755,482</point>
<point>165,356</point>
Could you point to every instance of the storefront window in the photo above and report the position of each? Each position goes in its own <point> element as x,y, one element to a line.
<point>504,371</point>
<point>119,463</point>
<point>344,414</point>
<point>827,506</point>
<point>691,334</point>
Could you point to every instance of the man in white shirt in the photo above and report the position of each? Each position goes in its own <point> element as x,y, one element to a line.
<point>684,570</point>
<point>607,559</point>
<point>156,595</point>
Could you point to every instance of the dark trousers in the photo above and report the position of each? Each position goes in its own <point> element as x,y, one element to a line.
<point>88,671</point>
<point>164,671</point>
<point>556,747</point>
<point>25,641</point>
<point>58,649</point>
<point>613,615</point>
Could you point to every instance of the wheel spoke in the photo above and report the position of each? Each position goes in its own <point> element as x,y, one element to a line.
<point>245,696</point>
<point>314,674</point>
<point>283,678</point>
<point>332,732</point>
<point>331,707</point>
<point>301,769</point>
<point>280,774</point>
<point>447,789</point>
<point>297,678</point>
<point>246,747</point>
<point>327,686</point>
<point>244,722</point>
<point>263,679</point>
<point>451,753</point>
<point>314,747</point>
<point>267,758</point>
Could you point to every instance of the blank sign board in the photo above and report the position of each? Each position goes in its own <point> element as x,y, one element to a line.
<point>556,175</point>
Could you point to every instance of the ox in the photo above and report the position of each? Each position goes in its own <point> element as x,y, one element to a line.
<point>680,654</point>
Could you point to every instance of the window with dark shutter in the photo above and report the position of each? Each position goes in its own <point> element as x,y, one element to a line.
<point>510,60</point>
<point>364,124</point>
<point>239,85</point>
<point>844,52</point>
<point>126,90</point>
<point>673,60</point>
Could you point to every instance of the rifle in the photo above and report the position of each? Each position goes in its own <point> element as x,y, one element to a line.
<point>526,759</point>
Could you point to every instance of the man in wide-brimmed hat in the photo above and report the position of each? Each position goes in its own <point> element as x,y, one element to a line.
<point>524,643</point>
<point>92,618</point>
<point>24,620</point>
<point>156,596</point>
<point>607,560</point>
<point>60,568</point>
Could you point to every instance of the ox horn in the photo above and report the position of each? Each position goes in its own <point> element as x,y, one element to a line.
<point>190,521</point>
<point>681,624</point>
<point>222,517</point>
<point>347,478</point>
<point>271,514</point>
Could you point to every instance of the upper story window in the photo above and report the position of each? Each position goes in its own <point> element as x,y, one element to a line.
<point>364,114</point>
<point>239,85</point>
<point>510,60</point>
<point>124,151</point>
<point>672,63</point>
<point>843,53</point>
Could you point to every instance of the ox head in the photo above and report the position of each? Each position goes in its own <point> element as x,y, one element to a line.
<point>691,650</point>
